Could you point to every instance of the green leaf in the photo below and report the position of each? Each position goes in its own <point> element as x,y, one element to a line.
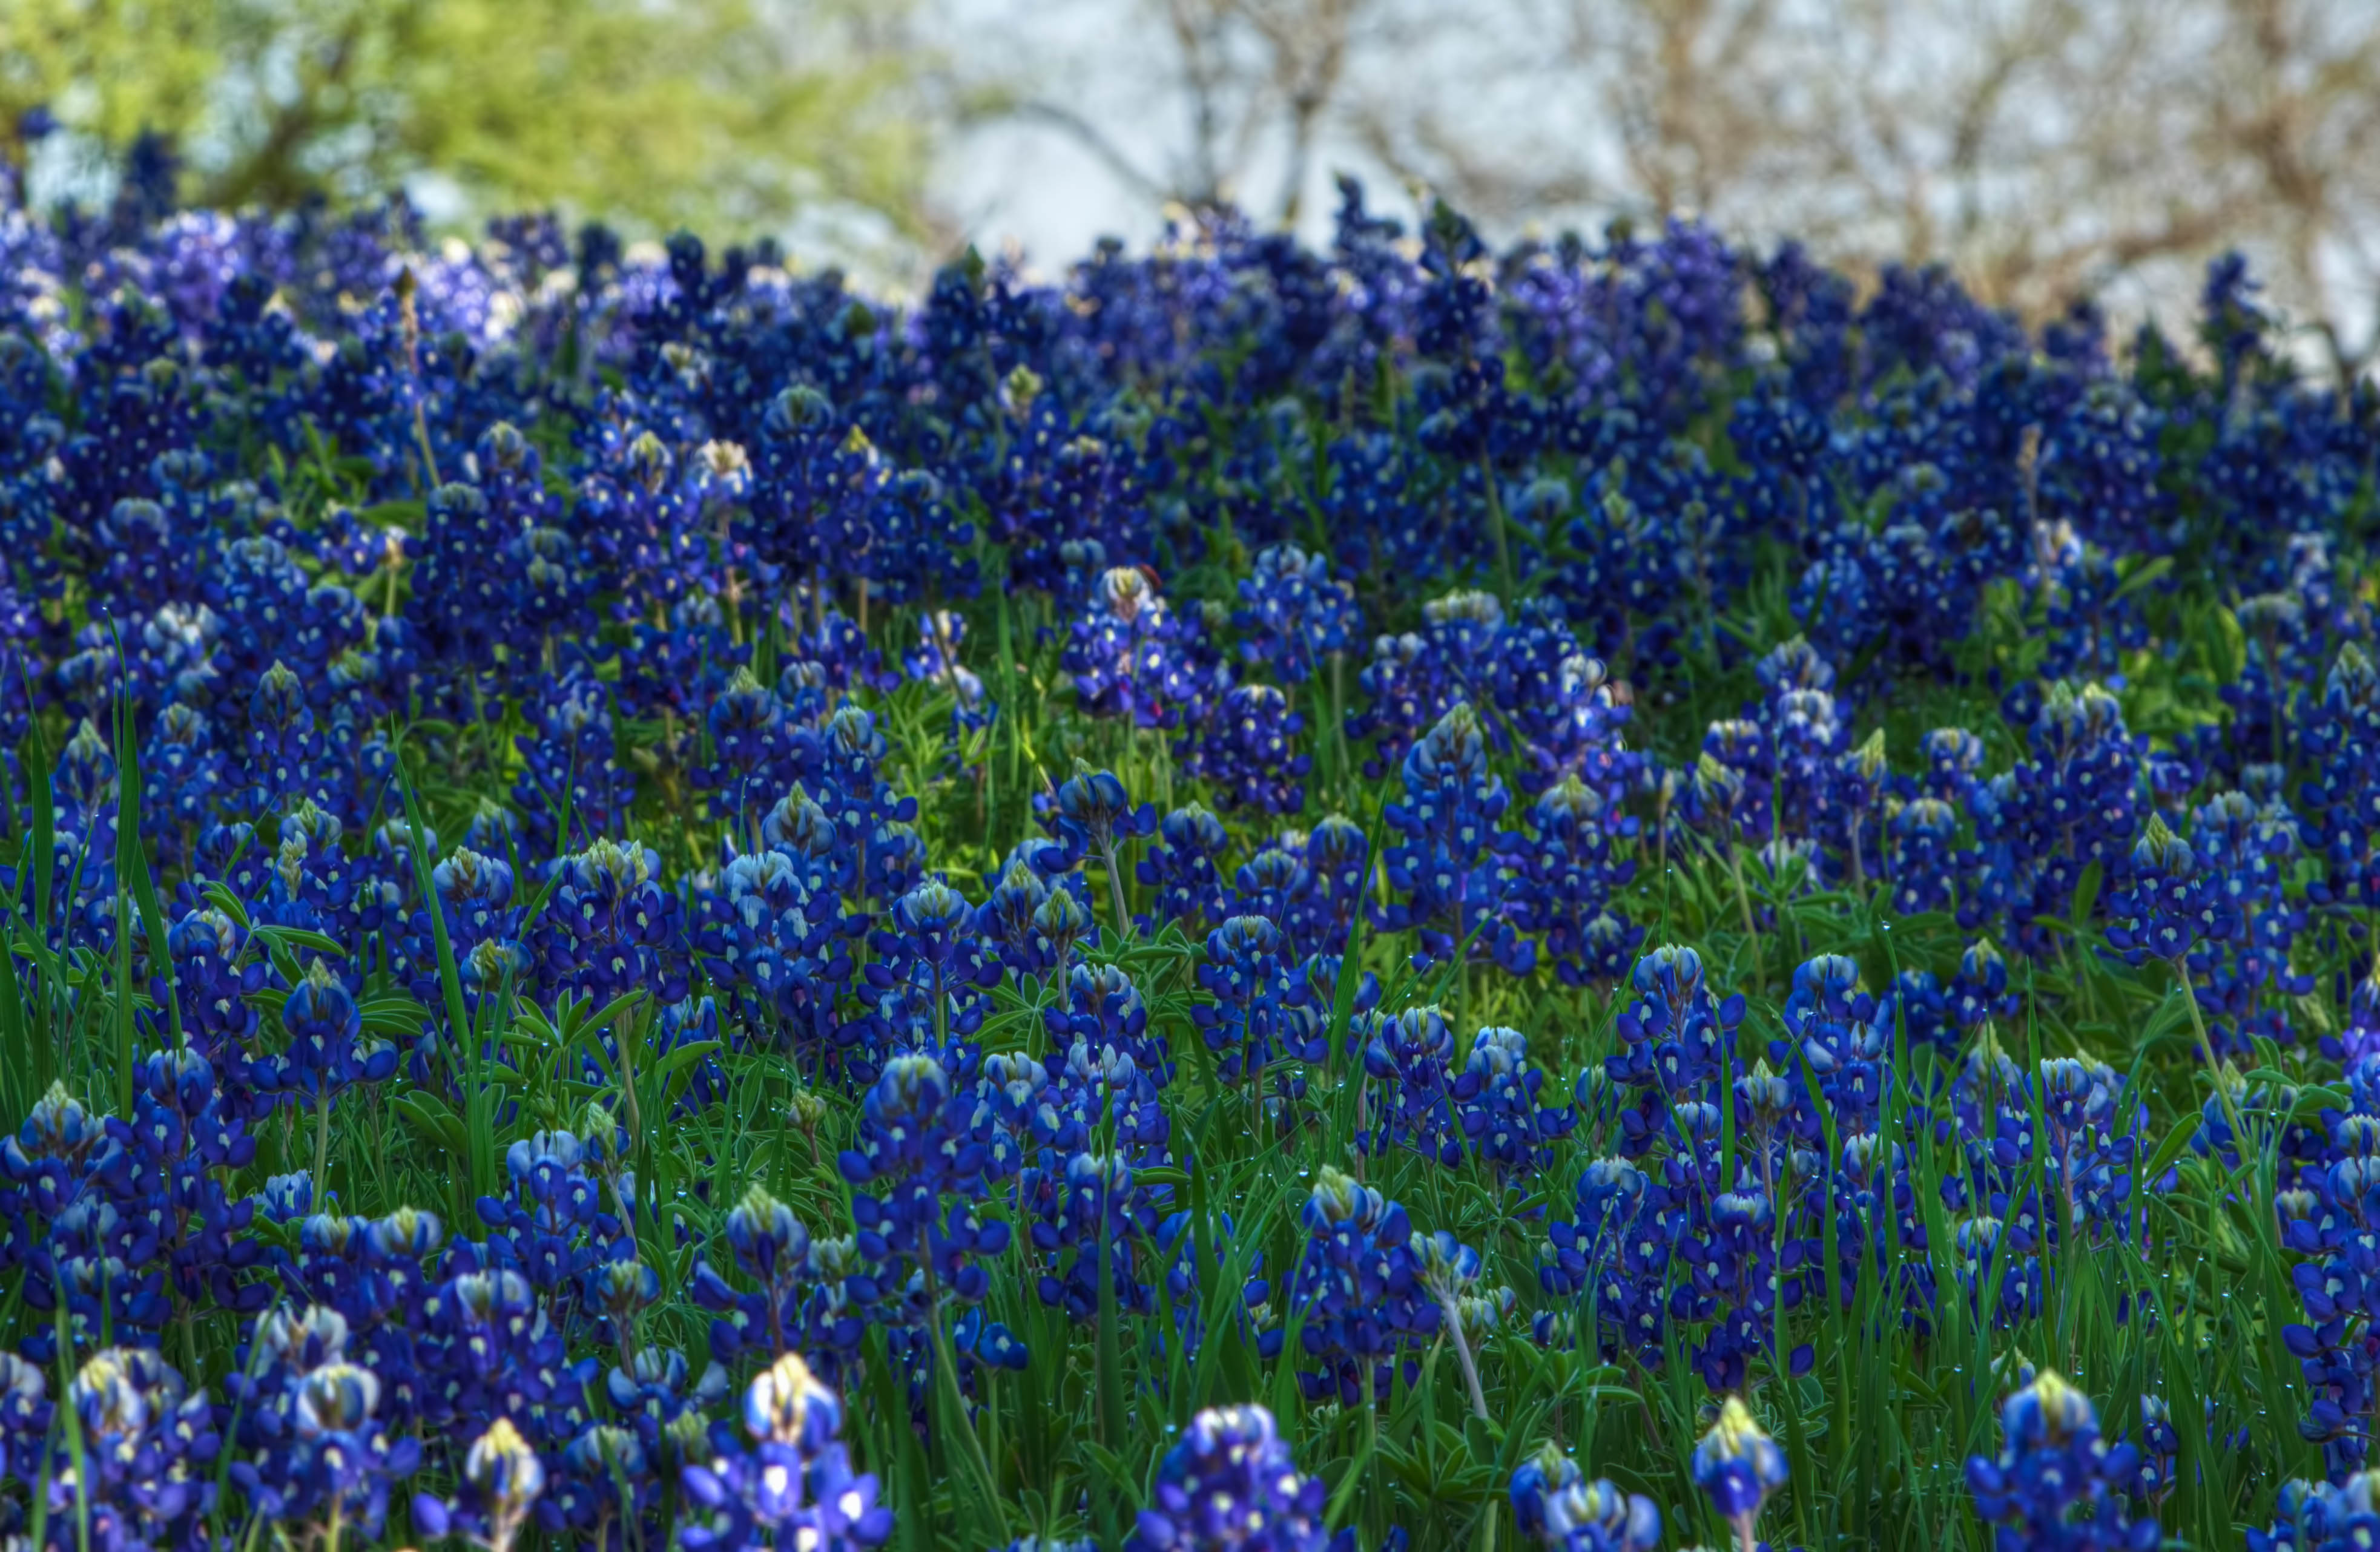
<point>681,1057</point>
<point>2176,1142</point>
<point>2147,572</point>
<point>436,1121</point>
<point>2086,894</point>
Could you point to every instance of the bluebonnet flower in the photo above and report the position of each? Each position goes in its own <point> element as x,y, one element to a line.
<point>752,746</point>
<point>1232,1486</point>
<point>1449,1273</point>
<point>1924,865</point>
<point>66,1170</point>
<point>184,775</point>
<point>327,1053</point>
<point>26,1412</point>
<point>1294,614</point>
<point>1131,657</point>
<point>1918,1010</point>
<point>1738,1466</point>
<point>1740,1281</point>
<point>2342,737</point>
<point>1104,1009</point>
<point>915,1149</point>
<point>1728,793</point>
<point>1096,1201</point>
<point>2172,906</point>
<point>319,1452</point>
<point>2323,1216</point>
<point>1616,1249</point>
<point>2318,1517</point>
<point>1266,883</point>
<point>2092,621</point>
<point>1247,747</point>
<point>2245,980</point>
<point>2070,804</point>
<point>935,660</point>
<point>2085,1147</point>
<point>2283,653</point>
<point>604,1490</point>
<point>1952,757</point>
<point>489,1347</point>
<point>571,767</point>
<point>1337,870</point>
<point>932,971</point>
<point>469,587</point>
<point>184,1139</point>
<point>803,468</point>
<point>774,936</point>
<point>1556,1506</point>
<point>1357,1286</point>
<point>1505,1122</point>
<point>1566,879</point>
<point>283,748</point>
<point>1037,926</point>
<point>793,1484</point>
<point>1246,975</point>
<point>1980,992</point>
<point>1565,712</point>
<point>611,926</point>
<point>1409,1059</point>
<point>2056,1482</point>
<point>1835,1031</point>
<point>148,1445</point>
<point>1414,680</point>
<point>1184,871</point>
<point>1676,1033</point>
<point>1454,891</point>
<point>552,1229</point>
<point>474,892</point>
<point>2099,463</point>
<point>501,1479</point>
<point>813,1295</point>
<point>1092,815</point>
<point>846,758</point>
<point>678,665</point>
<point>2159,1445</point>
<point>1060,924</point>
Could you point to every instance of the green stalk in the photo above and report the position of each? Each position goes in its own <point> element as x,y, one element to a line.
<point>2206,1054</point>
<point>946,1367</point>
<point>1496,531</point>
<point>322,1176</point>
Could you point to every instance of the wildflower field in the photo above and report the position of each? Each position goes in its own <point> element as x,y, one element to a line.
<point>1609,895</point>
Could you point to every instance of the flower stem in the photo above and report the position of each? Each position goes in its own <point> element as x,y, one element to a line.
<point>1742,895</point>
<point>1115,886</point>
<point>2206,1054</point>
<point>1447,1304</point>
<point>946,1367</point>
<point>1496,531</point>
<point>322,1153</point>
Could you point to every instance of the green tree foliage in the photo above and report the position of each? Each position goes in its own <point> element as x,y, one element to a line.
<point>716,113</point>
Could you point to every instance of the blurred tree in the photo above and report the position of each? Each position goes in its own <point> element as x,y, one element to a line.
<point>730,113</point>
<point>2039,147</point>
<point>1257,78</point>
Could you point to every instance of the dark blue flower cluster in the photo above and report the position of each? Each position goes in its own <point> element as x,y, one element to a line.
<point>816,831</point>
<point>2056,1482</point>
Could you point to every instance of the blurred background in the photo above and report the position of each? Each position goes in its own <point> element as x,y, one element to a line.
<point>2040,148</point>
